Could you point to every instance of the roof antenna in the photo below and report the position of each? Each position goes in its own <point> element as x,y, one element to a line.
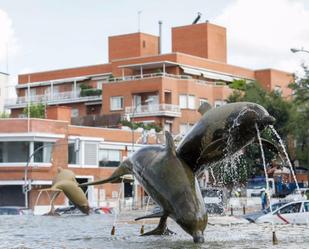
<point>199,14</point>
<point>139,20</point>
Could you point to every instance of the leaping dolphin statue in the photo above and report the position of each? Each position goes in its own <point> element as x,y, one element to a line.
<point>65,182</point>
<point>168,174</point>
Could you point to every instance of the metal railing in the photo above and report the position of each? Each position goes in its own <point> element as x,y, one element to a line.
<point>145,76</point>
<point>153,109</point>
<point>48,98</point>
<point>75,95</point>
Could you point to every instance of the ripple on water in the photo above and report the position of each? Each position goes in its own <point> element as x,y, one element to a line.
<point>94,232</point>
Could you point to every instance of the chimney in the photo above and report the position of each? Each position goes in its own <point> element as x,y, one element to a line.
<point>160,37</point>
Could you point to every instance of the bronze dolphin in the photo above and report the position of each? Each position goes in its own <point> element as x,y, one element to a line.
<point>168,176</point>
<point>171,183</point>
<point>65,182</point>
<point>221,132</point>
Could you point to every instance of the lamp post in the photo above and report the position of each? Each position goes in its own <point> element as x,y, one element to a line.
<point>295,50</point>
<point>148,100</point>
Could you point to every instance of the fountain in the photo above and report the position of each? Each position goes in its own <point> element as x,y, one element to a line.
<point>168,175</point>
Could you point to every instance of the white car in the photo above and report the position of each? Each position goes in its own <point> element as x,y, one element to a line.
<point>296,212</point>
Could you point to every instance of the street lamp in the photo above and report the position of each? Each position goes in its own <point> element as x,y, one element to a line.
<point>295,50</point>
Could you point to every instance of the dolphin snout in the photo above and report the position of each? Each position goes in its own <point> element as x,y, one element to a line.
<point>267,120</point>
<point>198,239</point>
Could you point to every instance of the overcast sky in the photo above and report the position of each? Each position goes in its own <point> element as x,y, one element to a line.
<point>51,34</point>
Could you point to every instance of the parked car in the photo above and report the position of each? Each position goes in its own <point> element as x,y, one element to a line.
<point>254,215</point>
<point>296,195</point>
<point>296,212</point>
<point>12,210</point>
<point>68,210</point>
<point>103,210</point>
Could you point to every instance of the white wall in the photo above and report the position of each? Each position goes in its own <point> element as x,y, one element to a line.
<point>3,83</point>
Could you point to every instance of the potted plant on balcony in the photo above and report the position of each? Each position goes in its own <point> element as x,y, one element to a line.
<point>89,91</point>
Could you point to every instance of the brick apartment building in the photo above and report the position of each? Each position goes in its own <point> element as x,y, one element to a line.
<point>138,82</point>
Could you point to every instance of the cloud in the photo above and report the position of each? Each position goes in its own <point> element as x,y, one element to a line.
<point>260,33</point>
<point>8,40</point>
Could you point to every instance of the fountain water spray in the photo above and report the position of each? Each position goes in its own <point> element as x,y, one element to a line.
<point>274,237</point>
<point>143,225</point>
<point>116,216</point>
<point>286,155</point>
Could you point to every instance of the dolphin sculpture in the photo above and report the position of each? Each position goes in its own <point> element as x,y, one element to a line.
<point>65,182</point>
<point>221,132</point>
<point>168,174</point>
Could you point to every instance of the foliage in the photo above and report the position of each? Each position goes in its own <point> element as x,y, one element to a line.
<point>299,125</point>
<point>279,108</point>
<point>4,115</point>
<point>35,110</point>
<point>141,125</point>
<point>238,85</point>
<point>87,90</point>
<point>271,101</point>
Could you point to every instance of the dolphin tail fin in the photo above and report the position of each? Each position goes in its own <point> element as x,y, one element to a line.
<point>114,178</point>
<point>154,215</point>
<point>170,145</point>
<point>204,107</point>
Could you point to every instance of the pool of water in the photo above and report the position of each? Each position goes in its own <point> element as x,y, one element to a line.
<point>93,232</point>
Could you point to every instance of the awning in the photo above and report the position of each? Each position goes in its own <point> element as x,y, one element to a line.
<point>192,71</point>
<point>208,74</point>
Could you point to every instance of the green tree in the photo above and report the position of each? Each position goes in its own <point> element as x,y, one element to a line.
<point>35,110</point>
<point>279,108</point>
<point>4,115</point>
<point>299,125</point>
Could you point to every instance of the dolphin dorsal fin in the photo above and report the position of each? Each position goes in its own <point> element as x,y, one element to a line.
<point>169,141</point>
<point>204,107</point>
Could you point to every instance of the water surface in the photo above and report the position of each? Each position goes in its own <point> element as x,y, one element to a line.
<point>93,232</point>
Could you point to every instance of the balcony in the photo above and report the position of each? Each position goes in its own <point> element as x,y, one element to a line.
<point>56,98</point>
<point>167,110</point>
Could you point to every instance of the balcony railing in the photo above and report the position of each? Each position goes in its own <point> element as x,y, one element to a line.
<point>145,76</point>
<point>61,97</point>
<point>153,110</point>
<point>71,96</point>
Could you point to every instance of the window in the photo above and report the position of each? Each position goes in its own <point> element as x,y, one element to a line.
<point>14,152</point>
<point>116,103</point>
<point>90,153</point>
<point>73,157</point>
<point>74,113</point>
<point>292,208</point>
<point>278,89</point>
<point>183,101</point>
<point>144,43</point>
<point>99,84</point>
<point>42,155</point>
<point>187,101</point>
<point>306,206</point>
<point>109,158</point>
<point>219,103</point>
<point>202,101</point>
<point>185,128</point>
<point>19,152</point>
<point>191,102</point>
